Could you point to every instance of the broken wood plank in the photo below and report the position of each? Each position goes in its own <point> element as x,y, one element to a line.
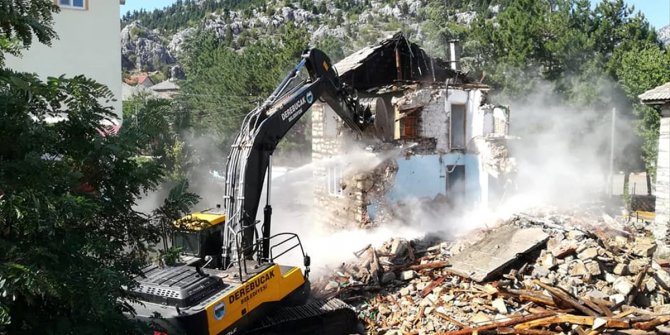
<point>419,315</point>
<point>450,319</point>
<point>566,298</point>
<point>433,265</point>
<point>649,325</point>
<point>522,332</point>
<point>491,326</point>
<point>604,308</point>
<point>594,306</point>
<point>625,313</point>
<point>608,323</point>
<point>636,286</point>
<point>432,285</point>
<point>528,295</point>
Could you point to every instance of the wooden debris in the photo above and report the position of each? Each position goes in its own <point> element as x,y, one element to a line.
<point>582,281</point>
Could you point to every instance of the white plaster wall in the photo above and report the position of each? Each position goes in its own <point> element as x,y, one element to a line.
<point>475,121</point>
<point>89,43</point>
<point>663,178</point>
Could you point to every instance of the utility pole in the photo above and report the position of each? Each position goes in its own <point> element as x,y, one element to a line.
<point>610,176</point>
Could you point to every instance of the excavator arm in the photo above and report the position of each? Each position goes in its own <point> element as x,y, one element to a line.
<point>262,129</point>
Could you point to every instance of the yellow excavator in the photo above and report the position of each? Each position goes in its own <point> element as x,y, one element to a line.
<point>229,281</point>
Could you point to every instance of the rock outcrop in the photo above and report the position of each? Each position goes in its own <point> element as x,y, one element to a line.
<point>143,50</point>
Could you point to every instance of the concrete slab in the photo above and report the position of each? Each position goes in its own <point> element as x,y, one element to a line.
<point>496,251</point>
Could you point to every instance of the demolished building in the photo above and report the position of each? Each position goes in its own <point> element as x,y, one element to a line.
<point>442,143</point>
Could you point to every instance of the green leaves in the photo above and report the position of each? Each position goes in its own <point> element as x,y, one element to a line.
<point>69,237</point>
<point>587,54</point>
<point>223,85</point>
<point>22,21</point>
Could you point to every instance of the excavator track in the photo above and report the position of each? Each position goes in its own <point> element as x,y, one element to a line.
<point>327,317</point>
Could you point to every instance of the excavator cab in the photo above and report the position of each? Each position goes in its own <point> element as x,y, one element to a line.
<point>199,235</point>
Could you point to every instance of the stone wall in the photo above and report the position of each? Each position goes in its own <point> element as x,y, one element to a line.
<point>341,197</point>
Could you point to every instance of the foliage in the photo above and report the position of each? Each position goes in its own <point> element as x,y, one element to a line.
<point>184,13</point>
<point>70,240</point>
<point>590,55</point>
<point>642,68</point>
<point>223,85</point>
<point>177,204</point>
<point>69,236</point>
<point>21,21</point>
<point>161,128</point>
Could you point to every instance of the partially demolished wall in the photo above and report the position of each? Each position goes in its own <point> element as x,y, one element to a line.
<point>433,157</point>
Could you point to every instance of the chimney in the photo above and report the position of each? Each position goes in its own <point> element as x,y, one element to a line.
<point>454,55</point>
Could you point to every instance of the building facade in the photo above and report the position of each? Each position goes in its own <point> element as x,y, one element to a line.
<point>88,44</point>
<point>660,97</point>
<point>436,142</point>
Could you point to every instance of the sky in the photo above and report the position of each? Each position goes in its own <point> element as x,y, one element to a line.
<point>132,5</point>
<point>656,11</point>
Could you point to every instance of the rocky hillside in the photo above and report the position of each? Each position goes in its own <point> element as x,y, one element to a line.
<point>664,35</point>
<point>155,46</point>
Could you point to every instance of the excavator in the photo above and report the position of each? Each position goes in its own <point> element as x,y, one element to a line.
<point>228,280</point>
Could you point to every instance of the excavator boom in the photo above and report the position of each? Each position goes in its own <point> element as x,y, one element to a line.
<point>232,283</point>
<point>260,133</point>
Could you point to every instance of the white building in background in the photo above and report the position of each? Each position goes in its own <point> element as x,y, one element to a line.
<point>88,44</point>
<point>660,97</point>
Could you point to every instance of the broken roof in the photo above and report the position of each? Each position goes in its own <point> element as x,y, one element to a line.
<point>166,85</point>
<point>129,91</point>
<point>660,94</point>
<point>391,60</point>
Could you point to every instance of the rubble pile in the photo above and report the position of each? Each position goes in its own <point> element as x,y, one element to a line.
<point>584,275</point>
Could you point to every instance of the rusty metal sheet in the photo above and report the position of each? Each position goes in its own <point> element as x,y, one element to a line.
<point>498,249</point>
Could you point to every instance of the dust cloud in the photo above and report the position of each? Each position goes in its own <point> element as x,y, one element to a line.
<point>562,159</point>
<point>561,152</point>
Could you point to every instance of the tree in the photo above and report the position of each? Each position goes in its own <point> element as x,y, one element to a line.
<point>69,235</point>
<point>20,21</point>
<point>70,239</point>
<point>589,56</point>
<point>223,85</point>
<point>331,46</point>
<point>642,69</point>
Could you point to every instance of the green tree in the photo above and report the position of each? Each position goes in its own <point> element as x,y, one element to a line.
<point>588,55</point>
<point>331,46</point>
<point>223,85</point>
<point>69,236</point>
<point>642,69</point>
<point>70,239</point>
<point>21,21</point>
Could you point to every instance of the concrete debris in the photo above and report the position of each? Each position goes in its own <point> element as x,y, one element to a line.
<point>498,249</point>
<point>564,274</point>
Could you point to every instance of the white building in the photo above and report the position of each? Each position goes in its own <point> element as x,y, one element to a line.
<point>660,97</point>
<point>88,44</point>
<point>442,144</point>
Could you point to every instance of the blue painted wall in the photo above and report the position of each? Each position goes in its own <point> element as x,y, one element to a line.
<point>424,176</point>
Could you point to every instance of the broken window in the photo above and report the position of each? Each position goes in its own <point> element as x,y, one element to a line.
<point>334,180</point>
<point>457,132</point>
<point>410,123</point>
